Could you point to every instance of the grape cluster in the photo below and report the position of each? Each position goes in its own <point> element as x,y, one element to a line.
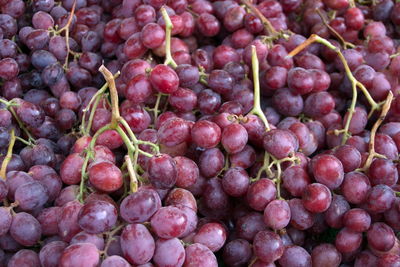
<point>199,133</point>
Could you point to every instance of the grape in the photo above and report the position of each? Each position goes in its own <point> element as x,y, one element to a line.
<point>348,240</point>
<point>179,196</point>
<point>168,222</point>
<point>68,194</point>
<point>208,25</point>
<point>301,218</point>
<point>382,171</point>
<point>365,258</point>
<point>105,176</point>
<point>295,255</point>
<point>164,79</point>
<point>268,246</point>
<point>24,257</point>
<point>337,209</point>
<point>114,261</point>
<point>31,196</point>
<point>237,252</point>
<point>3,190</point>
<point>169,252</point>
<point>84,237</point>
<point>173,132</point>
<point>83,254</point>
<point>162,171</point>
<point>71,169</point>
<point>380,198</point>
<point>140,206</point>
<point>211,162</point>
<point>327,170</point>
<point>300,80</point>
<point>357,220</point>
<point>50,254</point>
<point>287,102</point>
<point>349,156</point>
<point>68,221</point>
<point>326,255</point>
<point>249,225</point>
<point>234,137</point>
<point>187,172</point>
<point>316,198</point>
<point>355,187</point>
<point>280,143</point>
<point>5,220</point>
<point>199,255</point>
<point>389,260</point>
<point>260,193</point>
<point>212,235</point>
<point>235,182</point>
<point>25,229</point>
<point>137,244</point>
<point>380,237</point>
<point>295,180</point>
<point>97,216</point>
<point>206,134</point>
<point>277,214</point>
<point>183,99</point>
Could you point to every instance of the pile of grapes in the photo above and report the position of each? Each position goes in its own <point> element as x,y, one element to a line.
<point>199,133</point>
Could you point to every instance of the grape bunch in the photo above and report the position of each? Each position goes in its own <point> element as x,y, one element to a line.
<point>199,133</point>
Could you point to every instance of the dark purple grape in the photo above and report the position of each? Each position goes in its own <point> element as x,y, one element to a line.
<point>25,229</point>
<point>50,254</point>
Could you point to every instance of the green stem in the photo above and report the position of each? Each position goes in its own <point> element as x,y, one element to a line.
<point>351,111</point>
<point>355,83</point>
<point>372,153</point>
<point>87,158</point>
<point>155,109</point>
<point>132,174</point>
<point>278,180</point>
<point>110,237</point>
<point>267,24</point>
<point>22,140</point>
<point>7,158</point>
<point>95,97</point>
<point>337,35</point>
<point>168,27</point>
<point>91,116</point>
<point>257,106</point>
<point>108,76</point>
<point>21,125</point>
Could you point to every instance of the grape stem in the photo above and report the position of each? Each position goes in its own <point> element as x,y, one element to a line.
<point>66,30</point>
<point>3,170</point>
<point>267,24</point>
<point>95,101</point>
<point>325,22</point>
<point>168,27</point>
<point>354,82</point>
<point>256,83</point>
<point>132,174</point>
<point>131,142</point>
<point>89,154</point>
<point>372,153</point>
<point>108,76</point>
<point>266,167</point>
<point>110,237</point>
<point>156,106</point>
<point>9,107</point>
